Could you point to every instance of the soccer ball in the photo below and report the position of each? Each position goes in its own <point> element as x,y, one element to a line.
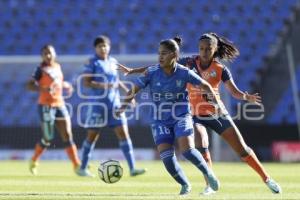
<point>110,171</point>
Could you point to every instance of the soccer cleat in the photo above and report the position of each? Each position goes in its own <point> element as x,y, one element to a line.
<point>33,167</point>
<point>208,191</point>
<point>213,181</point>
<point>185,189</point>
<point>83,172</point>
<point>273,186</point>
<point>136,172</point>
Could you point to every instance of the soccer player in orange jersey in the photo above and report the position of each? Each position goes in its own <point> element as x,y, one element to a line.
<point>48,81</point>
<point>206,113</point>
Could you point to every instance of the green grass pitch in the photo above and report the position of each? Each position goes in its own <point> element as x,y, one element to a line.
<point>56,180</point>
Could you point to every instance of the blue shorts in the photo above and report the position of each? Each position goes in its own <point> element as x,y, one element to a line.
<point>48,115</point>
<point>99,116</point>
<point>163,133</point>
<point>217,123</point>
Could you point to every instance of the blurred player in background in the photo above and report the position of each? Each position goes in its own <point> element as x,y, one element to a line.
<point>213,48</point>
<point>101,77</point>
<point>168,81</point>
<point>48,80</point>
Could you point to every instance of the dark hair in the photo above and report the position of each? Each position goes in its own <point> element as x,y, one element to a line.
<point>226,50</point>
<point>46,46</point>
<point>172,44</point>
<point>178,40</point>
<point>101,39</point>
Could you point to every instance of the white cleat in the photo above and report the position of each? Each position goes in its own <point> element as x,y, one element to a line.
<point>136,172</point>
<point>212,181</point>
<point>208,191</point>
<point>83,172</point>
<point>33,167</point>
<point>273,186</point>
<point>185,190</point>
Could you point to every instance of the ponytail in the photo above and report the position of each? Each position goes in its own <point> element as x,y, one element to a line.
<point>226,49</point>
<point>178,40</point>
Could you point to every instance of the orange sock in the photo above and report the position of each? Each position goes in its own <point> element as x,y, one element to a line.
<point>207,158</point>
<point>253,162</point>
<point>38,150</point>
<point>73,155</point>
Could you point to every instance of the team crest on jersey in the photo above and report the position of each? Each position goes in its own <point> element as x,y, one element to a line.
<point>178,83</point>
<point>205,75</point>
<point>213,74</point>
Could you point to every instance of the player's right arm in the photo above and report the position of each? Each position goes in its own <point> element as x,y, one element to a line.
<point>186,61</point>
<point>90,83</point>
<point>140,83</point>
<point>89,75</point>
<point>127,70</point>
<point>33,85</point>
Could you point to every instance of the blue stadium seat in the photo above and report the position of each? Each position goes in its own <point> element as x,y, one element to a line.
<point>284,111</point>
<point>140,25</point>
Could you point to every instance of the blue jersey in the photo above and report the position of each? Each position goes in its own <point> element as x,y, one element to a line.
<point>104,71</point>
<point>169,92</point>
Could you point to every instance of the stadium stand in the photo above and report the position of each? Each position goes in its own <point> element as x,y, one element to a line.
<point>285,109</point>
<point>135,27</point>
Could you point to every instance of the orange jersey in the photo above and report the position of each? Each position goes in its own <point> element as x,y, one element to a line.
<point>201,101</point>
<point>50,78</point>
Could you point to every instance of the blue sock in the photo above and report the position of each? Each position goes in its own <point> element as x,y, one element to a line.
<point>195,157</point>
<point>169,159</point>
<point>127,149</point>
<point>87,148</point>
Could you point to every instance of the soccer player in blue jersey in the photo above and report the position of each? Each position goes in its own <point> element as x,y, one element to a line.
<point>100,76</point>
<point>171,113</point>
<point>212,49</point>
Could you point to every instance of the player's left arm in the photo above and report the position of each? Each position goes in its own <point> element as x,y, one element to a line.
<point>235,91</point>
<point>238,94</point>
<point>126,90</point>
<point>68,86</point>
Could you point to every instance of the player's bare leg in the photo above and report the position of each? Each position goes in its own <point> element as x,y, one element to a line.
<point>202,144</point>
<point>64,128</point>
<point>233,137</point>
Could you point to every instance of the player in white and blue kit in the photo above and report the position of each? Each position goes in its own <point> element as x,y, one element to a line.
<point>171,113</point>
<point>101,77</point>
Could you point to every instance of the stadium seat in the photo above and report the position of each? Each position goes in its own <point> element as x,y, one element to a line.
<point>137,28</point>
<point>284,111</point>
